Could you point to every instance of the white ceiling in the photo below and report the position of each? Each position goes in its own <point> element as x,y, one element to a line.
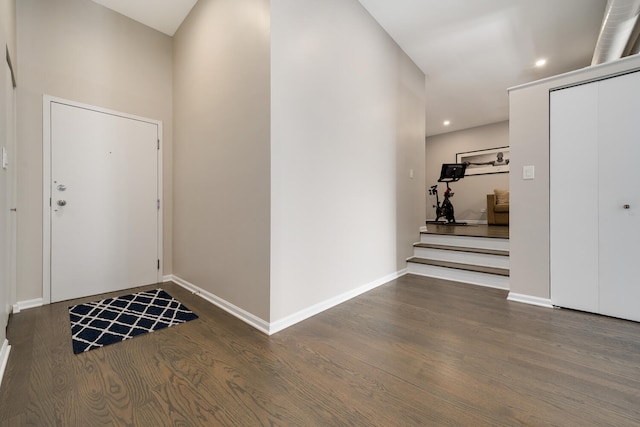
<point>163,15</point>
<point>470,50</point>
<point>473,50</point>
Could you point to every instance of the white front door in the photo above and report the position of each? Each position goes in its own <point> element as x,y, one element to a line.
<point>104,202</point>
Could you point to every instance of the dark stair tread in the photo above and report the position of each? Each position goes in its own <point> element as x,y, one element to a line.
<point>462,249</point>
<point>461,266</point>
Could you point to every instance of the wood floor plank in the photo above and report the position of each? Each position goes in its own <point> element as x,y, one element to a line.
<point>416,351</point>
<point>472,230</point>
<point>15,373</point>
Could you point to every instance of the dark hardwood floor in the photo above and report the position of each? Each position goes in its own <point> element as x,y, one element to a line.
<point>415,351</point>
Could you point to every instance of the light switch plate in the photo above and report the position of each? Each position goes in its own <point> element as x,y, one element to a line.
<point>5,158</point>
<point>528,172</point>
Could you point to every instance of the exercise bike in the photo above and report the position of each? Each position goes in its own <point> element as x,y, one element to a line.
<point>446,209</point>
<point>451,172</point>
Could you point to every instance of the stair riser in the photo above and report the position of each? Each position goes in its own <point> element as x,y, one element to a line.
<point>481,279</point>
<point>485,260</point>
<point>465,241</point>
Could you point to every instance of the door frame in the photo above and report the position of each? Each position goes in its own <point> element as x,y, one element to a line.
<point>47,100</point>
<point>13,182</point>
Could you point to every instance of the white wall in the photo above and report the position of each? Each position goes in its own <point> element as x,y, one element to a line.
<point>529,207</point>
<point>470,192</point>
<point>78,50</point>
<point>347,110</point>
<point>221,161</point>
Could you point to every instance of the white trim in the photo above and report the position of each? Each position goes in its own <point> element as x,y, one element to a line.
<point>529,299</point>
<point>585,70</point>
<point>13,200</point>
<point>458,275</point>
<point>245,316</point>
<point>167,278</point>
<point>277,326</point>
<point>25,305</point>
<point>160,195</point>
<point>4,358</point>
<point>460,256</point>
<point>46,199</point>
<point>303,314</point>
<point>499,244</point>
<point>46,184</point>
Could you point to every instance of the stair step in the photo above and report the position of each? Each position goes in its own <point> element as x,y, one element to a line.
<point>460,266</point>
<point>459,272</point>
<point>462,249</point>
<point>488,243</point>
<point>462,255</point>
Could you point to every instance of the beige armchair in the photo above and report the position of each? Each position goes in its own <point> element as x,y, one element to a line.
<point>498,207</point>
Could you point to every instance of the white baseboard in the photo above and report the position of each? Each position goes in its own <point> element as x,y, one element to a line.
<point>279,325</point>
<point>245,316</point>
<point>528,299</point>
<point>4,357</point>
<point>25,305</point>
<point>303,314</point>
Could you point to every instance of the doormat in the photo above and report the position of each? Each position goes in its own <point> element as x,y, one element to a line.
<point>111,320</point>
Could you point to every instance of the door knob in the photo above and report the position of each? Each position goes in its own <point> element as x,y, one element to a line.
<point>62,202</point>
<point>626,206</point>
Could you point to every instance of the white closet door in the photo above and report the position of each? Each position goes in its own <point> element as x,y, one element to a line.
<point>574,197</point>
<point>619,152</point>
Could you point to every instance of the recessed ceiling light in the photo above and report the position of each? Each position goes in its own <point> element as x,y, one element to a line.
<point>541,62</point>
<point>446,123</point>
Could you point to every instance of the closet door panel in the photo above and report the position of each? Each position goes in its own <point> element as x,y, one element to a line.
<point>573,197</point>
<point>619,201</point>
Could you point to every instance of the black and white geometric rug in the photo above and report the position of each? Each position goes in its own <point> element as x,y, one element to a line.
<point>100,323</point>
